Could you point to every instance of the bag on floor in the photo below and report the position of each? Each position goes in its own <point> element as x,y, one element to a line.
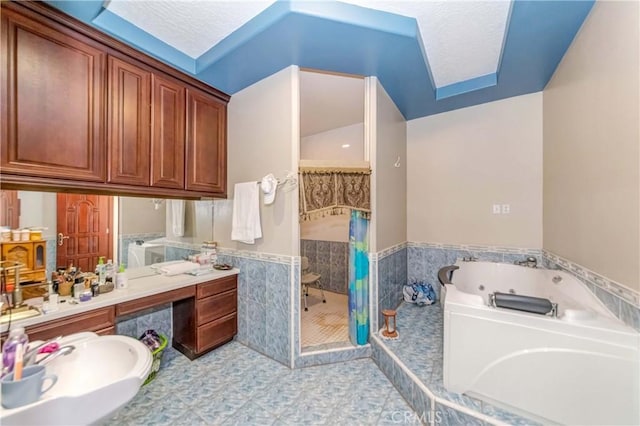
<point>419,293</point>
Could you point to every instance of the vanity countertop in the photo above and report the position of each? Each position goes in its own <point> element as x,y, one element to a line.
<point>143,282</point>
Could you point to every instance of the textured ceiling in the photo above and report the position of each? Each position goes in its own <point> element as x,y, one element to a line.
<point>462,39</point>
<point>191,26</point>
<point>430,57</point>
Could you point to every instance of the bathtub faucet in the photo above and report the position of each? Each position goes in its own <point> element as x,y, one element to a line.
<point>530,262</point>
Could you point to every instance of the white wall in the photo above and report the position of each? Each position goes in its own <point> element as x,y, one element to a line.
<point>39,209</point>
<point>329,228</point>
<point>263,137</point>
<point>389,183</point>
<point>462,162</point>
<point>139,216</point>
<point>592,146</point>
<point>329,145</point>
<point>198,222</point>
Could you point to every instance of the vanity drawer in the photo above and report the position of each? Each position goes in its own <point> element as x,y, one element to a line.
<point>216,332</point>
<point>216,286</point>
<point>214,307</point>
<point>136,305</point>
<point>97,320</point>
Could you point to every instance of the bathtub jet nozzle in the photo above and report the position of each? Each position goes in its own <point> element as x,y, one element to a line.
<point>518,302</point>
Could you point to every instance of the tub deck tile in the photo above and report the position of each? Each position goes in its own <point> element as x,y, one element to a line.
<point>419,347</point>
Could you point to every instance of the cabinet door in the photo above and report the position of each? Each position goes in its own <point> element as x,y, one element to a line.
<point>129,123</point>
<point>52,102</point>
<point>19,252</point>
<point>167,133</point>
<point>206,143</point>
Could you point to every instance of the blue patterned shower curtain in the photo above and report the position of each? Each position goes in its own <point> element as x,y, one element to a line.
<point>358,278</point>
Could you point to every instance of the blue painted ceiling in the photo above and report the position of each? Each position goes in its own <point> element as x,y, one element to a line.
<point>340,37</point>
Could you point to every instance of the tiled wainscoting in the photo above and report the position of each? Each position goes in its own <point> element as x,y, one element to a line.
<point>329,259</point>
<point>389,269</point>
<point>623,302</point>
<point>264,302</point>
<point>425,259</point>
<point>158,318</point>
<point>52,252</point>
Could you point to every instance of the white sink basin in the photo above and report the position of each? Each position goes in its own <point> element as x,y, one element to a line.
<point>101,375</point>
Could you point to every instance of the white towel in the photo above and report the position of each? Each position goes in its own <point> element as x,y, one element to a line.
<point>177,217</point>
<point>245,225</point>
<point>179,268</point>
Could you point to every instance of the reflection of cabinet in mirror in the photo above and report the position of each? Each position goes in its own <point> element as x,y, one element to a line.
<point>33,254</point>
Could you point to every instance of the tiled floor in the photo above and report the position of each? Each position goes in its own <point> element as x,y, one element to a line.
<point>235,385</point>
<point>325,322</point>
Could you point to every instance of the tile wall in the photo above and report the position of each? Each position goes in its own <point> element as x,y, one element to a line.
<point>425,259</point>
<point>623,302</point>
<point>331,260</point>
<point>158,318</point>
<point>52,252</point>
<point>264,302</point>
<point>391,275</point>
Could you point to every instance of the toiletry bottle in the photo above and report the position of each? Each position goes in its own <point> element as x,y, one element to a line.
<point>16,336</point>
<point>53,298</point>
<point>121,277</point>
<point>17,295</point>
<point>102,273</point>
<point>110,271</point>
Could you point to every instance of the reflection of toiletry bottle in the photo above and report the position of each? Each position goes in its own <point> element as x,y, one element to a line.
<point>78,287</point>
<point>102,273</point>
<point>95,288</point>
<point>16,336</point>
<point>110,271</point>
<point>17,295</point>
<point>121,277</point>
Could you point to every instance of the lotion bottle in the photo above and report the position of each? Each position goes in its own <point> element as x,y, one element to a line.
<point>121,277</point>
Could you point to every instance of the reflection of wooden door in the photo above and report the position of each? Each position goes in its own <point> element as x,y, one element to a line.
<point>85,222</point>
<point>9,209</point>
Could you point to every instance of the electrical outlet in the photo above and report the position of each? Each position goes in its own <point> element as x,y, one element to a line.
<point>496,209</point>
<point>506,208</point>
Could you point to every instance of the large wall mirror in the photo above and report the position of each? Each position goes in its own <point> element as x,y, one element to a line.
<point>78,228</point>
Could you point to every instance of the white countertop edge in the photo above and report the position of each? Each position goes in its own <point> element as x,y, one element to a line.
<point>145,285</point>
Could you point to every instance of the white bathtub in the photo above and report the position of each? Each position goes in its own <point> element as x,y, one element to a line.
<point>581,368</point>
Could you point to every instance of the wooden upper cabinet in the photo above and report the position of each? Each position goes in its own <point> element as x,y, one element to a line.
<point>52,85</point>
<point>206,143</point>
<point>129,123</point>
<point>83,112</point>
<point>167,133</point>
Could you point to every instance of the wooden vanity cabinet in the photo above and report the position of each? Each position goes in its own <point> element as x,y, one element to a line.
<point>207,321</point>
<point>51,83</point>
<point>100,321</point>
